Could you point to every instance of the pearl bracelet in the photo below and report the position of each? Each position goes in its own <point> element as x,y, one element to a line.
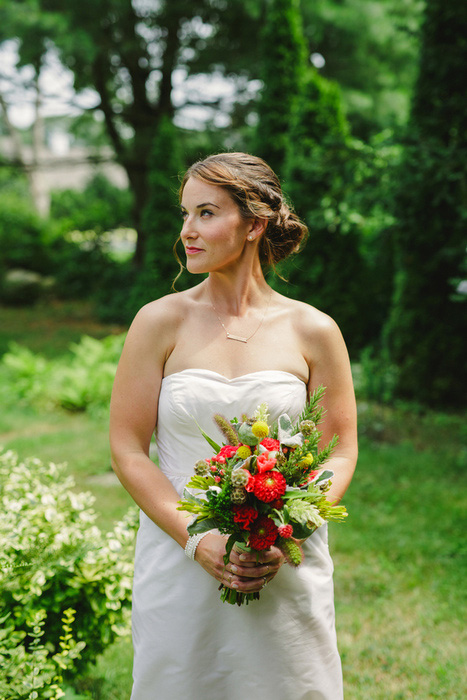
<point>192,543</point>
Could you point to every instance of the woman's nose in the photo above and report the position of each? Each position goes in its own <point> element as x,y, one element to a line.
<point>188,230</point>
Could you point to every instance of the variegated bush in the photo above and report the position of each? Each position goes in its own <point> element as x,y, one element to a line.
<point>53,557</point>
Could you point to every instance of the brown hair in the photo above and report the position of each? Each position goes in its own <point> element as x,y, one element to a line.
<point>256,189</point>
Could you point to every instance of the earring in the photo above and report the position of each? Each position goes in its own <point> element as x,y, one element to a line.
<point>250,238</point>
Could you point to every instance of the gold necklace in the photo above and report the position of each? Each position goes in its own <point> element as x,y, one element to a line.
<point>239,338</point>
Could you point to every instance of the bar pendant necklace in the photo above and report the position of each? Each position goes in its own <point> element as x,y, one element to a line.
<point>239,338</point>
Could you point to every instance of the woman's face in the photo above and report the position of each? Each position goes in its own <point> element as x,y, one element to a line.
<point>214,233</point>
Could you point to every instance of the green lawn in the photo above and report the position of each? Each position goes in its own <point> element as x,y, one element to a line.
<point>400,558</point>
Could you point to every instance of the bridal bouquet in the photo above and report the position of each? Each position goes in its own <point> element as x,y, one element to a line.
<point>266,486</point>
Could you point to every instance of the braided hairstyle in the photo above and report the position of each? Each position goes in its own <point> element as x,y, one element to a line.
<point>256,189</point>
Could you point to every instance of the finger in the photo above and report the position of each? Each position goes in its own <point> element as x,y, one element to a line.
<point>250,585</point>
<point>227,579</point>
<point>238,559</point>
<point>255,572</point>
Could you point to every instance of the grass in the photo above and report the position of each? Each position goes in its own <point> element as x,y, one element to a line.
<point>399,560</point>
<point>49,327</point>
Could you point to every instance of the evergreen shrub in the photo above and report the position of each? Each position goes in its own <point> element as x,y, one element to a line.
<point>54,558</point>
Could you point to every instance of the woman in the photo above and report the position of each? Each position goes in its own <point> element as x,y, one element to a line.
<point>225,346</point>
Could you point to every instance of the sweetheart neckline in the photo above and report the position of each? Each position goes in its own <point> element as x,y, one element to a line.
<point>229,380</point>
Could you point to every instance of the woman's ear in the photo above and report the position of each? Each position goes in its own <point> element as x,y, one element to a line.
<point>257,228</point>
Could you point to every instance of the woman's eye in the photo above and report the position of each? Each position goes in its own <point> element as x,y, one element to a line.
<point>206,213</point>
<point>184,214</point>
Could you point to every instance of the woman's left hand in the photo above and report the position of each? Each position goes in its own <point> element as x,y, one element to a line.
<point>249,572</point>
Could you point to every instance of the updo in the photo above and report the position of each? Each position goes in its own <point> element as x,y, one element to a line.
<point>256,189</point>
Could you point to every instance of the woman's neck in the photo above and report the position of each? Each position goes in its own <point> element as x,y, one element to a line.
<point>235,295</point>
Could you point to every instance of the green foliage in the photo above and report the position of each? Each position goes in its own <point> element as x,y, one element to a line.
<point>427,325</point>
<point>54,558</point>
<point>78,382</point>
<point>370,48</point>
<point>160,219</point>
<point>34,672</point>
<point>283,62</point>
<point>125,288</point>
<point>375,377</point>
<point>100,207</point>
<point>336,183</point>
<point>22,234</point>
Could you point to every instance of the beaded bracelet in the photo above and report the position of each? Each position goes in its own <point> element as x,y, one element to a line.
<point>192,543</point>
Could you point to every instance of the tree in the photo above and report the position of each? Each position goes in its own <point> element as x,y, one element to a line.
<point>283,64</point>
<point>321,172</point>
<point>370,48</point>
<point>426,329</point>
<point>128,53</point>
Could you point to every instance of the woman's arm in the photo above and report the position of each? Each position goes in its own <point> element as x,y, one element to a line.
<point>330,366</point>
<point>133,417</point>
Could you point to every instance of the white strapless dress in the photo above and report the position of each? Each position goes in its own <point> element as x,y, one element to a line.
<point>188,644</point>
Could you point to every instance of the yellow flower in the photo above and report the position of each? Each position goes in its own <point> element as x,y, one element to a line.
<point>243,452</point>
<point>307,460</point>
<point>260,429</point>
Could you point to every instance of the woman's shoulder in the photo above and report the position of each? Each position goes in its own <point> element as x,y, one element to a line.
<point>155,328</point>
<point>169,310</point>
<point>318,332</point>
<point>307,318</point>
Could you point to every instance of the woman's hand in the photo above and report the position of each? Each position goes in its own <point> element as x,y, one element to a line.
<point>246,572</point>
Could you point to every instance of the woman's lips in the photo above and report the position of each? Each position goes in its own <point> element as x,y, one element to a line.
<point>191,250</point>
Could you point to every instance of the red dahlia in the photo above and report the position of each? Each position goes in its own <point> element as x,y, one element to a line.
<point>251,482</point>
<point>263,533</point>
<point>244,515</point>
<point>269,486</point>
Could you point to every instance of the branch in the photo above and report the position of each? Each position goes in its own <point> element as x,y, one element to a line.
<point>99,72</point>
<point>172,46</point>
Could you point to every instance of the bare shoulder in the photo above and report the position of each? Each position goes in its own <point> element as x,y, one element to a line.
<point>317,331</point>
<point>159,321</point>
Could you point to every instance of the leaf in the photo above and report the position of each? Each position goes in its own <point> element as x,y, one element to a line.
<point>188,496</point>
<point>293,440</point>
<point>301,532</point>
<point>213,444</point>
<point>198,526</point>
<point>324,476</point>
<point>293,492</point>
<point>285,428</point>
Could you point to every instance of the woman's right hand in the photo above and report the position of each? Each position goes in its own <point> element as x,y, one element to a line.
<point>247,577</point>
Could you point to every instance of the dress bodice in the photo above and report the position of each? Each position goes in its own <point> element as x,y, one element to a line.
<point>190,398</point>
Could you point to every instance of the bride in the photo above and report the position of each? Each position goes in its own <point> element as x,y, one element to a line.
<point>225,346</point>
